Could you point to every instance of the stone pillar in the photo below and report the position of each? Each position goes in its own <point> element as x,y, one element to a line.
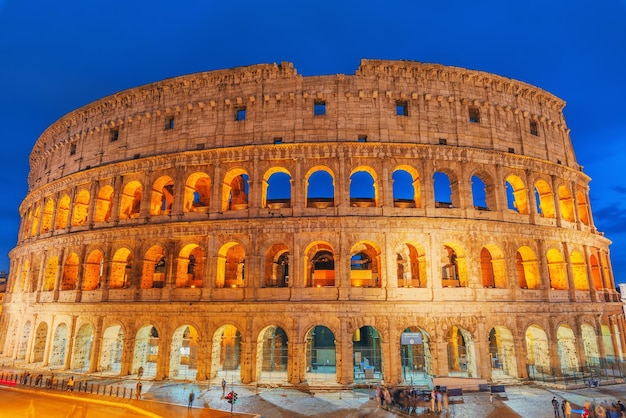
<point>557,201</point>
<point>481,352</point>
<point>385,189</point>
<point>391,353</point>
<point>247,364</point>
<point>71,340</point>
<point>117,184</point>
<point>440,359</point>
<point>128,348</point>
<point>94,357</point>
<point>344,353</point>
<point>163,361</point>
<point>571,287</point>
<point>46,352</point>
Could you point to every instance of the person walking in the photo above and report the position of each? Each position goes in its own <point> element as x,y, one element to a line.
<point>138,390</point>
<point>555,405</point>
<point>192,396</point>
<point>70,384</point>
<point>223,387</point>
<point>567,409</point>
<point>439,401</point>
<point>433,399</point>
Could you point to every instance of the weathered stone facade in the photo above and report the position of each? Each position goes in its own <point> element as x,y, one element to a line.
<point>254,220</point>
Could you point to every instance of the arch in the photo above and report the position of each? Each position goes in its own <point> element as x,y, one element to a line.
<point>154,268</point>
<point>191,261</point>
<point>81,208</point>
<point>276,266</point>
<point>35,222</point>
<point>365,269</point>
<point>590,344</point>
<point>320,187</point>
<point>104,202</point>
<point>39,345</point>
<point>321,355</point>
<point>197,196</point>
<point>493,267</point>
<point>112,349</point>
<point>527,268</point>
<point>50,276</point>
<point>566,346</point>
<point>162,196</point>
<point>122,268</point>
<point>23,282</point>
<point>319,265</point>
<point>537,350</point>
<point>235,190</point>
<point>596,272</point>
<point>367,354</point>
<point>579,271</point>
<point>231,265</point>
<point>63,213</point>
<point>607,341</point>
<point>483,191</point>
<point>461,356</point>
<point>93,270</point>
<point>556,269</point>
<point>453,266</point>
<point>146,351</point>
<point>70,272</point>
<point>583,207</point>
<point>226,355</point>
<point>415,355</point>
<point>58,350</point>
<point>517,196</point>
<point>272,356</point>
<point>406,187</point>
<point>566,203</point>
<point>363,187</point>
<point>545,199</point>
<point>130,201</point>
<point>184,353</point>
<point>502,352</point>
<point>411,265</point>
<point>48,213</point>
<point>81,353</point>
<point>276,193</point>
<point>22,347</point>
<point>445,196</point>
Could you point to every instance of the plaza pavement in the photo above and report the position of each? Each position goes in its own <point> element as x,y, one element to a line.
<point>170,398</point>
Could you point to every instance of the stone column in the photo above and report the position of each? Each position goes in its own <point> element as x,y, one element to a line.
<point>481,352</point>
<point>247,364</point>
<point>94,357</point>
<point>46,352</point>
<point>71,339</point>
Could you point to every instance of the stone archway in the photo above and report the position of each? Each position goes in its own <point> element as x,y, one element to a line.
<point>461,355</point>
<point>367,355</point>
<point>321,355</point>
<point>112,350</point>
<point>415,356</point>
<point>81,353</point>
<point>184,353</point>
<point>226,355</point>
<point>59,346</point>
<point>272,358</point>
<point>146,352</point>
<point>502,357</point>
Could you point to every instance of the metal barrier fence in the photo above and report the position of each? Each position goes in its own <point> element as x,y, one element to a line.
<point>51,382</point>
<point>606,371</point>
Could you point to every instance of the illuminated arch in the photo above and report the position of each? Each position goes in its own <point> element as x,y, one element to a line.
<point>583,207</point>
<point>35,222</point>
<point>556,269</point>
<point>319,265</point>
<point>272,355</point>
<point>70,272</point>
<point>406,187</point>
<point>545,199</point>
<point>527,268</point>
<point>130,201</point>
<point>121,269</point>
<point>93,270</point>
<point>48,213</point>
<point>517,195</point>
<point>197,196</point>
<point>50,274</point>
<point>493,267</point>
<point>81,208</point>
<point>363,187</point>
<point>154,268</point>
<point>63,212</point>
<point>411,265</point>
<point>320,187</point>
<point>104,202</point>
<point>537,349</point>
<point>276,193</point>
<point>276,266</point>
<point>231,265</point>
<point>235,190</point>
<point>365,269</point>
<point>453,265</point>
<point>191,261</point>
<point>162,196</point>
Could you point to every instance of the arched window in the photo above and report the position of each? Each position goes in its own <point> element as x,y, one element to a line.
<point>320,188</point>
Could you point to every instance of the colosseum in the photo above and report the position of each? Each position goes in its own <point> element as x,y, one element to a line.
<point>408,221</point>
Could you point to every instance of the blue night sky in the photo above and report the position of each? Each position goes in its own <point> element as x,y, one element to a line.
<point>56,56</point>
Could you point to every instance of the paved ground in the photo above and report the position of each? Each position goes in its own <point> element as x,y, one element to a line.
<point>170,398</point>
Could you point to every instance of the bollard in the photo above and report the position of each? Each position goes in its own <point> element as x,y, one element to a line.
<point>124,393</point>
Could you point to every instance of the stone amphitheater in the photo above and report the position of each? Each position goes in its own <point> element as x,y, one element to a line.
<point>408,221</point>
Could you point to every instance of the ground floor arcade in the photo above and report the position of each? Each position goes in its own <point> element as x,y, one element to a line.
<point>338,345</point>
